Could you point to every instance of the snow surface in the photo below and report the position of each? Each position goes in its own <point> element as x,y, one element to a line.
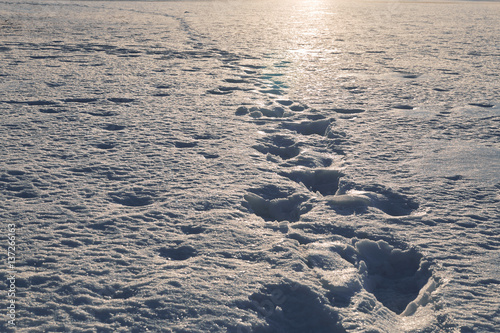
<point>251,166</point>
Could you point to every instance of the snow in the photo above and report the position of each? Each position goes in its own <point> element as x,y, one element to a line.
<point>246,166</point>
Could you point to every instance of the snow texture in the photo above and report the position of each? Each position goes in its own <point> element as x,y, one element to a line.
<point>251,166</point>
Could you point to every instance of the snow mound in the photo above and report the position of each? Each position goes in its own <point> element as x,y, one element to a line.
<point>386,200</point>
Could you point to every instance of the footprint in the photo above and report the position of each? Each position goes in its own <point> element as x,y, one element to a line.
<point>403,107</point>
<point>293,308</point>
<point>324,181</point>
<point>298,108</point>
<point>51,110</point>
<point>192,229</point>
<point>411,76</point>
<point>279,145</point>
<point>273,204</point>
<point>259,112</point>
<point>121,100</point>
<point>394,276</point>
<point>309,159</point>
<point>185,144</point>
<point>275,112</point>
<point>391,202</point>
<point>334,264</point>
<point>241,111</point>
<point>348,111</point>
<point>114,127</point>
<point>183,252</point>
<point>284,102</point>
<point>80,100</point>
<point>482,105</point>
<point>318,127</point>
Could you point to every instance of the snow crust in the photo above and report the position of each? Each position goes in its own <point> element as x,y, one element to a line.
<point>248,166</point>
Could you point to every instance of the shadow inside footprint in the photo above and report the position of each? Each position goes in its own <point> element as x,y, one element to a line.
<point>391,202</point>
<point>282,209</point>
<point>309,127</point>
<point>178,253</point>
<point>185,144</point>
<point>275,204</point>
<point>113,127</point>
<point>394,276</point>
<point>324,181</point>
<point>279,145</point>
<point>294,308</point>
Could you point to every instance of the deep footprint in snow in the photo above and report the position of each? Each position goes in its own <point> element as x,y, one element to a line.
<point>293,308</point>
<point>183,252</point>
<point>258,112</point>
<point>279,145</point>
<point>284,102</point>
<point>400,279</point>
<point>324,181</point>
<point>297,107</point>
<point>275,204</point>
<point>309,159</point>
<point>318,127</point>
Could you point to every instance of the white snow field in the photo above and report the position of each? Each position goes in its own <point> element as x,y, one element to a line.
<point>301,166</point>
